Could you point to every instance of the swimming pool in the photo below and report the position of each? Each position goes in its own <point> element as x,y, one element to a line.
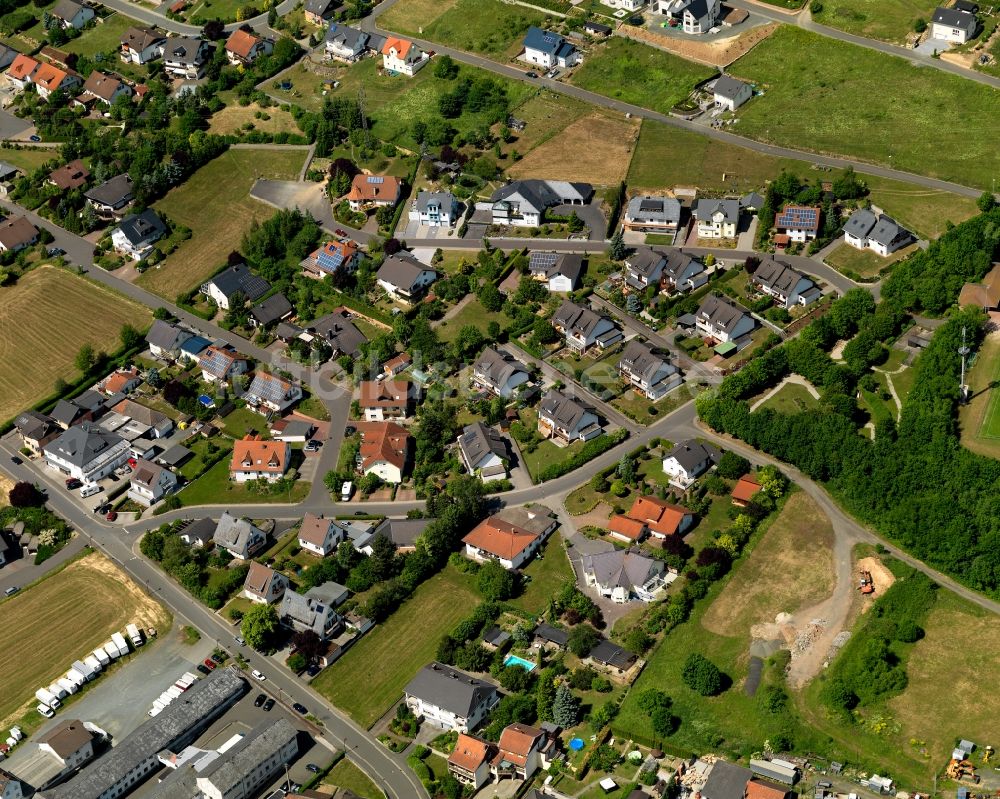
<point>514,660</point>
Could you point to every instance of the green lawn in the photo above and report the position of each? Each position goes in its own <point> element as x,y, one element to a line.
<point>547,573</point>
<point>27,160</point>
<point>546,454</point>
<point>926,212</point>
<point>639,74</point>
<point>473,313</point>
<point>349,777</point>
<point>199,446</point>
<point>879,410</point>
<point>923,127</point>
<point>791,398</point>
<point>215,203</point>
<point>242,421</point>
<point>862,264</point>
<point>887,20</point>
<point>636,406</point>
<point>102,38</point>
<point>314,408</point>
<point>371,676</point>
<point>214,488</point>
<point>226,10</point>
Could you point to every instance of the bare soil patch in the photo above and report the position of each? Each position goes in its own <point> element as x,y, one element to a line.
<point>719,53</point>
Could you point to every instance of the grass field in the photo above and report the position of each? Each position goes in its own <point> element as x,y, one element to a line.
<point>53,626</point>
<point>924,127</point>
<point>102,38</point>
<point>853,262</point>
<point>400,646</point>
<point>27,160</point>
<point>233,118</point>
<point>546,116</point>
<point>547,572</point>
<point>409,16</point>
<point>926,212</point>
<point>596,148</point>
<point>214,487</point>
<point>639,74</point>
<point>887,20</point>
<point>791,568</point>
<point>980,419</point>
<point>31,357</point>
<point>215,203</point>
<point>472,313</point>
<point>489,27</point>
<point>349,777</point>
<point>791,398</point>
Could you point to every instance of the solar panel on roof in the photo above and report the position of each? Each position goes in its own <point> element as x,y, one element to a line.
<point>376,179</point>
<point>542,260</point>
<point>330,259</point>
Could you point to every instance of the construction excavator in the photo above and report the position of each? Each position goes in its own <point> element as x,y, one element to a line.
<point>866,585</point>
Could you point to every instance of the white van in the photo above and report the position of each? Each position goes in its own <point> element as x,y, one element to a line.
<point>89,490</point>
<point>346,490</point>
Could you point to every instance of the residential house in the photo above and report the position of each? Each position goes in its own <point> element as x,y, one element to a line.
<point>386,399</point>
<point>186,57</point>
<point>16,233</point>
<point>302,612</point>
<point>954,25</point>
<point>786,286</point>
<point>345,43</point>
<point>86,452</point>
<point>271,394</point>
<point>48,78</point>
<point>696,16</point>
<point>558,271</point>
<point>881,233</point>
<point>141,45</point>
<point>751,202</point>
<point>584,329</point>
<point>199,533</point>
<point>623,575</point>
<point>522,203</point>
<point>646,214</point>
<point>36,430</point>
<point>648,372</point>
<point>319,535</point>
<point>434,209</point>
<point>688,461</point>
<point>374,191</point>
<point>625,5</point>
<point>292,430</point>
<point>232,283</point>
<point>69,176</point>
<point>402,532</point>
<point>396,365</point>
<point>71,412</point>
<point>499,372</point>
<point>681,273</point>
<point>11,787</point>
<point>745,490</point>
<point>404,277</point>
<point>69,742</point>
<point>112,198</point>
<point>165,339</point>
<point>643,268</point>
<point>511,536</point>
<point>548,637</point>
<point>717,219</point>
<point>220,365</point>
<point>661,518</point>
<point>159,424</point>
<point>402,56</point>
<point>451,699</point>
<point>254,459</point>
<point>726,781</point>
<point>149,483</point>
<point>72,14</point>
<point>7,56</point>
<point>484,452</point>
<point>270,311</point>
<point>137,233</point>
<point>610,657</point>
<point>985,295</point>
<point>241,538</point>
<point>547,49</point>
<point>264,585</point>
<point>20,71</point>
<point>317,12</point>
<point>469,761</point>
<point>596,28</point>
<point>385,450</point>
<point>730,93</point>
<point>627,529</point>
<point>800,223</point>
<point>122,381</point>
<point>8,173</point>
<point>722,319</point>
<point>340,333</point>
<point>103,88</point>
<point>331,257</point>
<point>243,47</point>
<point>519,752</point>
<point>566,419</point>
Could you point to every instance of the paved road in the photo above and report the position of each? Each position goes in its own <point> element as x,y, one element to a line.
<point>388,770</point>
<point>370,24</point>
<point>150,17</point>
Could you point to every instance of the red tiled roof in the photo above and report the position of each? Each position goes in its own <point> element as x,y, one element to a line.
<point>499,538</point>
<point>384,393</point>
<point>624,526</point>
<point>745,488</point>
<point>368,188</point>
<point>469,754</point>
<point>761,790</point>
<point>383,441</point>
<point>401,46</point>
<point>659,515</point>
<point>516,742</point>
<point>22,66</point>
<point>253,455</point>
<point>241,43</point>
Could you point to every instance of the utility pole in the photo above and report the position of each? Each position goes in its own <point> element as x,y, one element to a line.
<point>962,388</point>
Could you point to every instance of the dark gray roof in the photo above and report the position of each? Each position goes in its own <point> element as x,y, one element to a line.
<point>568,412</point>
<point>646,261</point>
<point>720,312</point>
<point>728,87</point>
<point>66,9</point>
<point>321,7</point>
<point>551,264</point>
<point>202,530</point>
<point>166,336</point>
<point>597,27</point>
<point>402,532</point>
<point>640,358</point>
<point>66,412</point>
<point>272,309</point>
<point>477,440</point>
<point>185,50</point>
<point>442,199</point>
<point>264,741</point>
<point>81,444</point>
<point>240,278</point>
<point>621,568</point>
<point>34,425</point>
<point>552,634</point>
<point>577,319</point>
<point>449,689</point>
<point>777,275</point>
<point>402,270</point>
<point>174,455</point>
<point>538,195</point>
<point>340,333</point>
<point>177,725</point>
<point>751,200</point>
<point>689,454</point>
<point>887,231</point>
<point>496,367</point>
<point>611,654</point>
<point>112,192</point>
<point>144,226</point>
<point>678,265</point>
<point>494,636</point>
<point>345,36</point>
<point>662,209</point>
<point>308,612</point>
<point>954,18</point>
<point>706,208</point>
<point>726,781</point>
<point>860,223</point>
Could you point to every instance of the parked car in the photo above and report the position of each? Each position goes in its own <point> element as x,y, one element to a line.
<point>300,708</point>
<point>112,515</point>
<point>340,232</point>
<point>350,430</point>
<point>11,591</point>
<point>260,700</point>
<point>313,445</point>
<point>219,657</point>
<point>313,670</point>
<point>209,663</point>
<point>46,711</point>
<point>201,667</point>
<point>257,675</point>
<point>531,74</point>
<point>268,704</point>
<point>55,252</point>
<point>313,768</point>
<point>239,640</point>
<point>73,482</point>
<point>16,460</point>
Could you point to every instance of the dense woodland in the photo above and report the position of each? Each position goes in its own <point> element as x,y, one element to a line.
<point>915,482</point>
